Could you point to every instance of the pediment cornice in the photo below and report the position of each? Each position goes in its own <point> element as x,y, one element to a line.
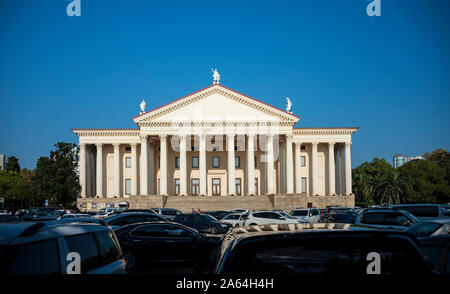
<point>106,132</point>
<point>216,89</point>
<point>324,131</point>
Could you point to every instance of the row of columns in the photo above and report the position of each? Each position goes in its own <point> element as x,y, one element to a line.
<point>147,153</point>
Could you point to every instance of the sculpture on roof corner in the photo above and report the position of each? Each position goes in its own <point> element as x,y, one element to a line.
<point>142,107</point>
<point>216,76</point>
<point>288,105</point>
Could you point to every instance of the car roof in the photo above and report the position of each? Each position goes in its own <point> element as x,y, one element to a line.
<point>34,231</point>
<point>129,213</point>
<point>417,204</point>
<point>438,220</point>
<point>280,229</point>
<point>264,211</point>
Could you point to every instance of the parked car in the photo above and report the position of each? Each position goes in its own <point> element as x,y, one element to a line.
<point>310,215</point>
<point>269,217</point>
<point>219,214</point>
<point>148,245</point>
<point>239,210</point>
<point>435,249</point>
<point>345,218</point>
<point>38,248</point>
<point>425,211</point>
<point>386,218</point>
<point>204,223</point>
<point>75,215</point>
<point>3,212</point>
<point>128,218</point>
<point>234,219</point>
<point>140,210</point>
<point>342,210</point>
<point>319,251</point>
<point>430,228</point>
<point>168,213</point>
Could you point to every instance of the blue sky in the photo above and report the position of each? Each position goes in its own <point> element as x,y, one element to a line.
<point>388,75</point>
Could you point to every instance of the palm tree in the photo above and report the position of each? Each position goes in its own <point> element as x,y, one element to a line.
<point>390,190</point>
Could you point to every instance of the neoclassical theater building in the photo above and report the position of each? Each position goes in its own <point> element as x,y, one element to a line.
<point>216,149</point>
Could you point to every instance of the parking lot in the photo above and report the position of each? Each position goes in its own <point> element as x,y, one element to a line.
<point>378,240</point>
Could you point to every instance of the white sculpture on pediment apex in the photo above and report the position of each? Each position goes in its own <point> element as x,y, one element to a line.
<point>142,106</point>
<point>288,105</point>
<point>216,76</point>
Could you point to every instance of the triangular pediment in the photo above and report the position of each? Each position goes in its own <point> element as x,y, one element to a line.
<point>216,103</point>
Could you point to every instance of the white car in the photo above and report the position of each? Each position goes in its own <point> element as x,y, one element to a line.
<point>269,217</point>
<point>310,215</point>
<point>236,219</point>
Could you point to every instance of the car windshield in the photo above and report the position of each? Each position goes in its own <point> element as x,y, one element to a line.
<point>299,212</point>
<point>286,215</point>
<point>209,217</point>
<point>411,216</point>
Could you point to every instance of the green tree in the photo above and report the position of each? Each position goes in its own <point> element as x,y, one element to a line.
<point>366,180</point>
<point>17,190</point>
<point>391,188</point>
<point>55,176</point>
<point>425,182</point>
<point>12,164</point>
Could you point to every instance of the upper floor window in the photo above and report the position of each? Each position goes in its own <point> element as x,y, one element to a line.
<point>127,162</point>
<point>237,161</point>
<point>195,162</point>
<point>177,162</point>
<point>302,161</point>
<point>216,161</point>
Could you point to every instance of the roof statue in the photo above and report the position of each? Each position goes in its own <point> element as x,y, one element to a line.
<point>142,106</point>
<point>288,105</point>
<point>216,76</point>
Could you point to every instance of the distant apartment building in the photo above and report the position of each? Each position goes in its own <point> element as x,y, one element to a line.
<point>2,162</point>
<point>401,159</point>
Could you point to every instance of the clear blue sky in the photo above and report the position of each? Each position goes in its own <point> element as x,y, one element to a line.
<point>388,75</point>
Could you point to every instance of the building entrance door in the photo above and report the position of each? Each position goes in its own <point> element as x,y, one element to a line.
<point>216,187</point>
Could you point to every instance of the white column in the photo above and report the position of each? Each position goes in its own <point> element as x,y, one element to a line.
<point>163,165</point>
<point>202,164</point>
<point>270,166</point>
<point>117,170</point>
<point>250,164</point>
<point>183,166</point>
<point>298,177</point>
<point>99,170</point>
<point>341,171</point>
<point>289,165</point>
<point>314,169</point>
<point>134,178</point>
<point>348,169</point>
<point>231,165</point>
<point>144,166</point>
<point>151,169</point>
<point>82,169</point>
<point>331,170</point>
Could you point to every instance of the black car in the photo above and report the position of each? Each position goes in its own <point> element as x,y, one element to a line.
<point>320,251</point>
<point>204,223</point>
<point>345,218</point>
<point>127,218</point>
<point>150,246</point>
<point>219,214</point>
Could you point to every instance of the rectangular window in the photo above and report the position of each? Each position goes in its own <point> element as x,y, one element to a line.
<point>255,160</point>
<point>256,186</point>
<point>302,161</point>
<point>127,186</point>
<point>237,161</point>
<point>177,162</point>
<point>216,162</point>
<point>195,186</point>
<point>302,147</point>
<point>177,186</point>
<point>127,149</point>
<point>127,162</point>
<point>303,185</point>
<point>237,183</point>
<point>195,162</point>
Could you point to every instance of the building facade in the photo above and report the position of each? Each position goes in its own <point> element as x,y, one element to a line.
<point>220,143</point>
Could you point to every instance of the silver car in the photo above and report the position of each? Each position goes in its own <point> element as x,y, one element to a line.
<point>386,218</point>
<point>310,215</point>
